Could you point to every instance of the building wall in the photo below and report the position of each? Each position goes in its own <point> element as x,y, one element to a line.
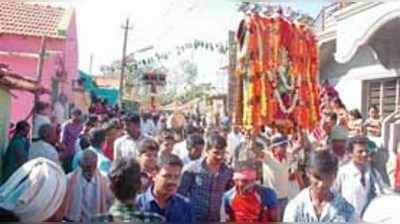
<point>348,78</point>
<point>71,57</point>
<point>19,43</point>
<point>22,102</point>
<point>357,24</point>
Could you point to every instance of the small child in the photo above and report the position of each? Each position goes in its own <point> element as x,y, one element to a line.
<point>355,123</point>
<point>148,152</point>
<point>167,142</point>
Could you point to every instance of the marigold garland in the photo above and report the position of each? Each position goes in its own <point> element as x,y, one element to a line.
<point>278,73</point>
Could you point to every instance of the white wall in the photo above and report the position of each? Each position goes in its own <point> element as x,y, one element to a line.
<point>347,78</point>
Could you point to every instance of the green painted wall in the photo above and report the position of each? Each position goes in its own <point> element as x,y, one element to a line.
<point>5,105</point>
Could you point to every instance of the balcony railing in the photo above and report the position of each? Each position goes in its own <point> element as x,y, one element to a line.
<point>327,11</point>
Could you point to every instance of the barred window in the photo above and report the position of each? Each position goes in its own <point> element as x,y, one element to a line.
<point>384,93</point>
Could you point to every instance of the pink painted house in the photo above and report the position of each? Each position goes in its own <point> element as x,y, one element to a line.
<point>22,28</point>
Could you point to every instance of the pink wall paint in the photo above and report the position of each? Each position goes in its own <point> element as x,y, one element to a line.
<point>71,52</point>
<point>22,102</point>
<point>11,42</point>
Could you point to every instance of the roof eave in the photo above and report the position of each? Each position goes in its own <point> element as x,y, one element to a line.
<point>34,35</point>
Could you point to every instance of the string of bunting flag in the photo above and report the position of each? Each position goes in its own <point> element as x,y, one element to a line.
<point>217,47</point>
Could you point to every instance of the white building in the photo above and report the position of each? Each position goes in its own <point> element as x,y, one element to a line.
<point>360,54</point>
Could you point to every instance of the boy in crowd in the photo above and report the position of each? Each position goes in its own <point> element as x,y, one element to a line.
<point>148,152</point>
<point>195,145</point>
<point>125,183</point>
<point>167,142</point>
<point>318,203</point>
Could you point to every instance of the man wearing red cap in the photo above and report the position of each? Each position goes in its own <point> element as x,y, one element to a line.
<point>248,201</point>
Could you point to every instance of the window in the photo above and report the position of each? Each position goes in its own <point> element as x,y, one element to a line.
<point>383,93</point>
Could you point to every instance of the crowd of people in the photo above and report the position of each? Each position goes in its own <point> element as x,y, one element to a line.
<point>111,165</point>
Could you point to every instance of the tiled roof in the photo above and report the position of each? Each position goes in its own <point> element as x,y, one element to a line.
<point>32,19</point>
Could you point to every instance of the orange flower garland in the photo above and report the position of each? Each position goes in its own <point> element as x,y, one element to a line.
<point>278,68</point>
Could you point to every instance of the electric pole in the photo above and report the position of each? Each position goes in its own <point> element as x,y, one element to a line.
<point>123,62</point>
<point>91,64</point>
<point>42,55</point>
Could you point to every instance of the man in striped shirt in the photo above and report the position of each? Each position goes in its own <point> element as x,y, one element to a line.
<point>205,181</point>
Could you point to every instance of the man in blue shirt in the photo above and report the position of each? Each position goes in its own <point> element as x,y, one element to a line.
<point>162,198</point>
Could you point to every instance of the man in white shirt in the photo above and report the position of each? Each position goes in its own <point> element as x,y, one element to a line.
<point>148,127</point>
<point>180,148</point>
<point>44,147</point>
<point>235,137</point>
<point>42,113</point>
<point>127,145</point>
<point>276,169</point>
<point>357,182</point>
<point>88,193</point>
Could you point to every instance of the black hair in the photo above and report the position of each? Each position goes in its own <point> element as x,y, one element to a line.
<point>358,139</point>
<point>41,106</point>
<point>132,118</point>
<point>8,216</point>
<point>373,106</point>
<point>216,141</point>
<point>166,134</point>
<point>190,129</point>
<point>332,116</point>
<point>323,161</point>
<point>147,145</point>
<point>84,142</point>
<point>77,112</point>
<point>244,165</point>
<point>339,101</point>
<point>45,130</point>
<point>92,119</point>
<point>112,124</point>
<point>356,114</point>
<point>21,125</point>
<point>169,160</point>
<point>194,140</point>
<point>124,176</point>
<point>97,136</point>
